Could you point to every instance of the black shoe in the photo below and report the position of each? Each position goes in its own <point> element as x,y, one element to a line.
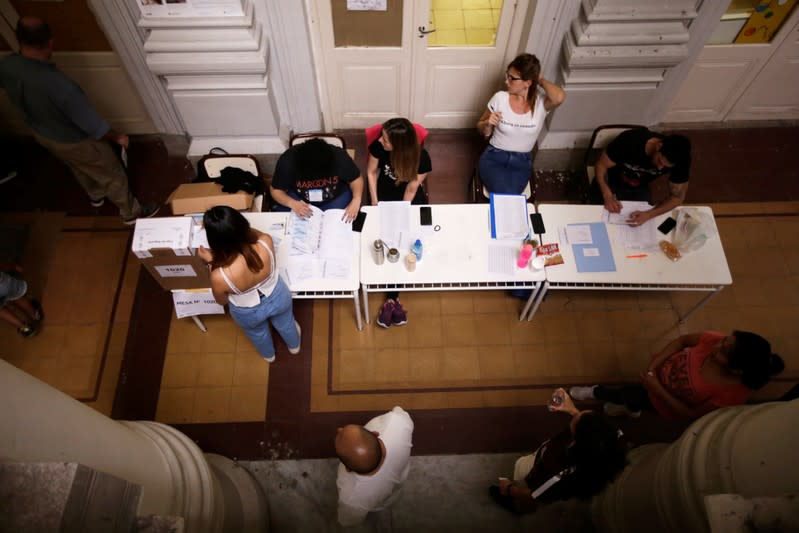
<point>501,499</point>
<point>146,211</point>
<point>28,331</point>
<point>38,311</point>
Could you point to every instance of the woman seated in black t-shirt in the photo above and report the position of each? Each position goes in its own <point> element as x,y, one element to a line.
<point>397,167</point>
<point>576,463</point>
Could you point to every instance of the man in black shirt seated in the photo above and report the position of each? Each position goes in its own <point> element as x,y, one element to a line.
<point>632,161</point>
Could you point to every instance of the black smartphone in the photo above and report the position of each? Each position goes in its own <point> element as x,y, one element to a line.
<point>667,225</point>
<point>357,224</point>
<point>538,223</point>
<point>425,215</point>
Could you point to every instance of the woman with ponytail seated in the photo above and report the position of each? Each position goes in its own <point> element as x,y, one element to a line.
<point>693,375</point>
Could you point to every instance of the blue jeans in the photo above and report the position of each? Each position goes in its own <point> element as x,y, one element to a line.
<point>339,202</point>
<point>275,308</point>
<point>505,172</point>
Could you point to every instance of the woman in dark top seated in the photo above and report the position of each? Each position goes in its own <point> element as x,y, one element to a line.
<point>576,463</point>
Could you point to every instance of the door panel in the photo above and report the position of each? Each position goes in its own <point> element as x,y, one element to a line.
<point>441,80</point>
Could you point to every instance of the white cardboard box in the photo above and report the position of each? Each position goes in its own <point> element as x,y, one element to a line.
<point>168,232</point>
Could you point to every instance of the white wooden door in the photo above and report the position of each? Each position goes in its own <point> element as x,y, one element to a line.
<point>424,76</point>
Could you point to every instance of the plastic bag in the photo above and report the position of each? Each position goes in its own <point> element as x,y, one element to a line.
<point>693,229</point>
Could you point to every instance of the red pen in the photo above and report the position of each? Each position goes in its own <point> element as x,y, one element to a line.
<point>639,256</point>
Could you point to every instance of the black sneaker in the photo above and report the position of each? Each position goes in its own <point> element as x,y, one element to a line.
<point>146,211</point>
<point>38,311</point>
<point>28,331</point>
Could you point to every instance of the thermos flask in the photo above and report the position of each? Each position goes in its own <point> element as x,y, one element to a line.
<point>378,253</point>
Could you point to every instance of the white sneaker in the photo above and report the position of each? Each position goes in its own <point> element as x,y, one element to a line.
<point>295,351</point>
<point>617,409</point>
<point>582,393</point>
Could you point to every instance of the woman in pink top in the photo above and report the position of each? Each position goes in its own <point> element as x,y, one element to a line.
<point>693,375</point>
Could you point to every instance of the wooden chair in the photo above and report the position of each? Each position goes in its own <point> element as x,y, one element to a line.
<point>600,139</point>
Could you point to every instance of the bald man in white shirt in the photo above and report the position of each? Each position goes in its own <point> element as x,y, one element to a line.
<point>374,464</point>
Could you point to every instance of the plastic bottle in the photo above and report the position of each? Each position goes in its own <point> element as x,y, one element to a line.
<point>417,249</point>
<point>524,256</point>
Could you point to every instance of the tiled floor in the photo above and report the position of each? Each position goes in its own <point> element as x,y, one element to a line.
<point>216,389</point>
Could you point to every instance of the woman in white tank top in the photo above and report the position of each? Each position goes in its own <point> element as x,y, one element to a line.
<point>513,120</point>
<point>244,275</point>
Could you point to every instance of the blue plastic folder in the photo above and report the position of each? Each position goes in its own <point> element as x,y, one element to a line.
<point>597,256</point>
<point>508,216</point>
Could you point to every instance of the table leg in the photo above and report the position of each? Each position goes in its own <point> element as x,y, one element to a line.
<point>357,309</point>
<point>365,293</point>
<point>540,298</point>
<point>200,324</point>
<point>530,300</point>
<point>701,303</point>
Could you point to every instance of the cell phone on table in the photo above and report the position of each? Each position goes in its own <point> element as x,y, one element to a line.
<point>357,224</point>
<point>667,225</point>
<point>426,215</point>
<point>538,223</point>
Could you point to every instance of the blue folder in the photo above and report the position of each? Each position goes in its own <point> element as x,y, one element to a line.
<point>603,260</point>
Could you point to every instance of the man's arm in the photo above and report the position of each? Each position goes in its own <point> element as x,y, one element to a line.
<point>601,176</point>
<point>676,198</point>
<point>298,206</point>
<point>351,211</point>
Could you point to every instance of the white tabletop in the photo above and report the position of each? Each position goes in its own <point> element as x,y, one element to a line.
<point>706,266</point>
<point>457,253</point>
<point>275,225</point>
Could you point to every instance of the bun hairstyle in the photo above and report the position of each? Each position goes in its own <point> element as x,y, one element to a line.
<point>751,355</point>
<point>529,70</point>
<point>405,148</point>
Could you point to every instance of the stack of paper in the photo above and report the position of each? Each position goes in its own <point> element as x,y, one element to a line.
<point>508,216</point>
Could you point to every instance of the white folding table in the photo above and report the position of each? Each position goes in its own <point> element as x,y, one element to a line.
<point>275,224</point>
<point>704,269</point>
<point>455,256</point>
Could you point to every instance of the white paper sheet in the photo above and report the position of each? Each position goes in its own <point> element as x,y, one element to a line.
<point>510,216</point>
<point>502,257</point>
<point>643,237</point>
<point>579,234</point>
<point>395,219</point>
<point>627,208</point>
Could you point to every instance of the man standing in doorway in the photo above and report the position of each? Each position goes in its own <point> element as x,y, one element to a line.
<point>374,464</point>
<point>64,122</point>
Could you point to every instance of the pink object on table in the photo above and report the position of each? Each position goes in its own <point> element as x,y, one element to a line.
<point>524,256</point>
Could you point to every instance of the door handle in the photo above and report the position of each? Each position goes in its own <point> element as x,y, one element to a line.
<point>423,31</point>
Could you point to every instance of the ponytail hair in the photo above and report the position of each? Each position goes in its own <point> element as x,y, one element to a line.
<point>751,355</point>
<point>405,148</point>
<point>529,70</point>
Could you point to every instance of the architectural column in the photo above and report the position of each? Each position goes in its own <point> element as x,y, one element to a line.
<point>211,493</point>
<point>746,450</point>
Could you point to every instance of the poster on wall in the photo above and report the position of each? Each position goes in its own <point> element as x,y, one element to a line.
<point>190,8</point>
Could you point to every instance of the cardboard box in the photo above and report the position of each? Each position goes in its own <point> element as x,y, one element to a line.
<point>163,245</point>
<point>199,197</point>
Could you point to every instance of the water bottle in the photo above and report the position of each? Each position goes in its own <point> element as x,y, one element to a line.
<point>378,252</point>
<point>524,256</point>
<point>417,249</point>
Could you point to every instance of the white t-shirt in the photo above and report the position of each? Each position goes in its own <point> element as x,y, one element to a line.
<point>359,495</point>
<point>516,133</point>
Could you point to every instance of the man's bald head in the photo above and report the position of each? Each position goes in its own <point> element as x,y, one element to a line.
<point>33,32</point>
<point>358,448</point>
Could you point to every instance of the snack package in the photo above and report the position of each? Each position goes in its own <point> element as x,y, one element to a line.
<point>670,250</point>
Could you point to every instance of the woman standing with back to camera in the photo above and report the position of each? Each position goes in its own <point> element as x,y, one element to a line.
<point>513,120</point>
<point>244,274</point>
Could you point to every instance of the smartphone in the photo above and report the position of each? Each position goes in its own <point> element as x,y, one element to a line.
<point>357,224</point>
<point>425,215</point>
<point>538,223</point>
<point>667,225</point>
